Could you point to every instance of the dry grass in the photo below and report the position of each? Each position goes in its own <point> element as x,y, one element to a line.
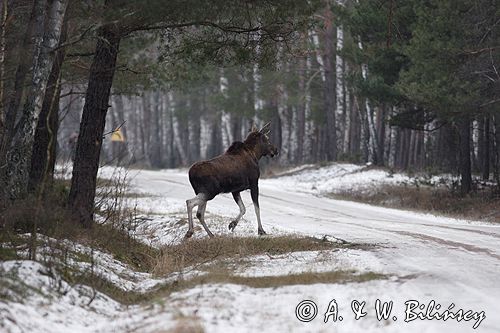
<point>51,217</point>
<point>55,222</point>
<point>337,277</point>
<point>187,324</point>
<point>477,206</point>
<point>201,251</point>
<point>219,257</point>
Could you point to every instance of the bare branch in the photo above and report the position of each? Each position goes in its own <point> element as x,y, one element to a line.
<point>76,40</point>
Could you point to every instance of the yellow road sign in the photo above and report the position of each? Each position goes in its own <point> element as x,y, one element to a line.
<point>117,136</point>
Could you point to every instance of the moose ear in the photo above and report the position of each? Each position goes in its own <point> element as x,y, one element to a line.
<point>266,129</point>
<point>254,128</point>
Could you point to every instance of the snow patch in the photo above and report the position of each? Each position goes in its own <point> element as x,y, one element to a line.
<point>338,177</point>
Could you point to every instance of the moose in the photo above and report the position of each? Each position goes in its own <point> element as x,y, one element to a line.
<point>232,172</point>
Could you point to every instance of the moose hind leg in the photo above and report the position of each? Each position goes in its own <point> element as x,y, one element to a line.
<point>237,198</point>
<point>200,214</point>
<point>190,204</point>
<point>254,192</point>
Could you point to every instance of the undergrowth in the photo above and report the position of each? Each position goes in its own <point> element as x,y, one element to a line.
<point>484,205</point>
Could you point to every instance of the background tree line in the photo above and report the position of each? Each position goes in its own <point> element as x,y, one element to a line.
<point>407,84</point>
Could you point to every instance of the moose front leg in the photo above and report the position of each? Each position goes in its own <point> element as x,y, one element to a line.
<point>254,192</point>
<point>237,198</point>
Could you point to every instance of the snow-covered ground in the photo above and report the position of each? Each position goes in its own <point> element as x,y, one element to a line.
<point>424,258</point>
<point>342,177</point>
<point>336,178</point>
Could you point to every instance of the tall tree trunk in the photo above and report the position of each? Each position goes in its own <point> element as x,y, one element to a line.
<point>142,137</point>
<point>464,155</point>
<point>355,124</point>
<point>43,159</point>
<point>391,156</point>
<point>478,160</point>
<point>171,138</point>
<point>3,23</point>
<point>340,67</point>
<point>155,146</point>
<point>14,99</point>
<point>364,136</point>
<point>330,85</point>
<point>284,116</point>
<point>380,127</point>
<point>301,112</point>
<point>404,148</point>
<point>146,126</point>
<point>309,124</point>
<point>177,134</point>
<point>497,149</point>
<point>486,147</point>
<point>373,151</point>
<point>195,130</point>
<point>19,160</point>
<point>86,164</point>
<point>411,150</point>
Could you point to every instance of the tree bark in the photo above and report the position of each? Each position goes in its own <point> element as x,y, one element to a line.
<point>364,136</point>
<point>373,151</point>
<point>14,99</point>
<point>478,154</point>
<point>392,143</point>
<point>330,86</point>
<point>380,127</point>
<point>284,116</point>
<point>497,149</point>
<point>486,148</point>
<point>464,155</point>
<point>3,23</point>
<point>195,130</point>
<point>86,164</point>
<point>19,155</point>
<point>301,113</point>
<point>355,130</point>
<point>43,158</point>
<point>155,146</point>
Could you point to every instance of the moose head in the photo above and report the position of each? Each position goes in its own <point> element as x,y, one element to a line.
<point>260,138</point>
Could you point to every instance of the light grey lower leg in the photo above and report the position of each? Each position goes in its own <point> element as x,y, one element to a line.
<point>259,223</point>
<point>190,204</point>
<point>254,192</point>
<point>239,201</point>
<point>200,214</point>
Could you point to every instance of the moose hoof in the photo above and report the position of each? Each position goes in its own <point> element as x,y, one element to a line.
<point>189,233</point>
<point>262,232</point>
<point>232,225</point>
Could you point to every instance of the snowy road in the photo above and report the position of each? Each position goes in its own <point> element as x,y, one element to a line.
<point>428,258</point>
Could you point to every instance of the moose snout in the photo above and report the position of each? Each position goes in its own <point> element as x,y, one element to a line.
<point>274,151</point>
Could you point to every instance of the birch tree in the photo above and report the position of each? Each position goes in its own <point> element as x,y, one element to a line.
<point>19,154</point>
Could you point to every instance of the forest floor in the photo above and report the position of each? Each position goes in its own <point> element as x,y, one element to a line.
<point>318,249</point>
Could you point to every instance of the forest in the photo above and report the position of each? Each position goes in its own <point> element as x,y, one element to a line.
<point>384,195</point>
<point>409,85</point>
